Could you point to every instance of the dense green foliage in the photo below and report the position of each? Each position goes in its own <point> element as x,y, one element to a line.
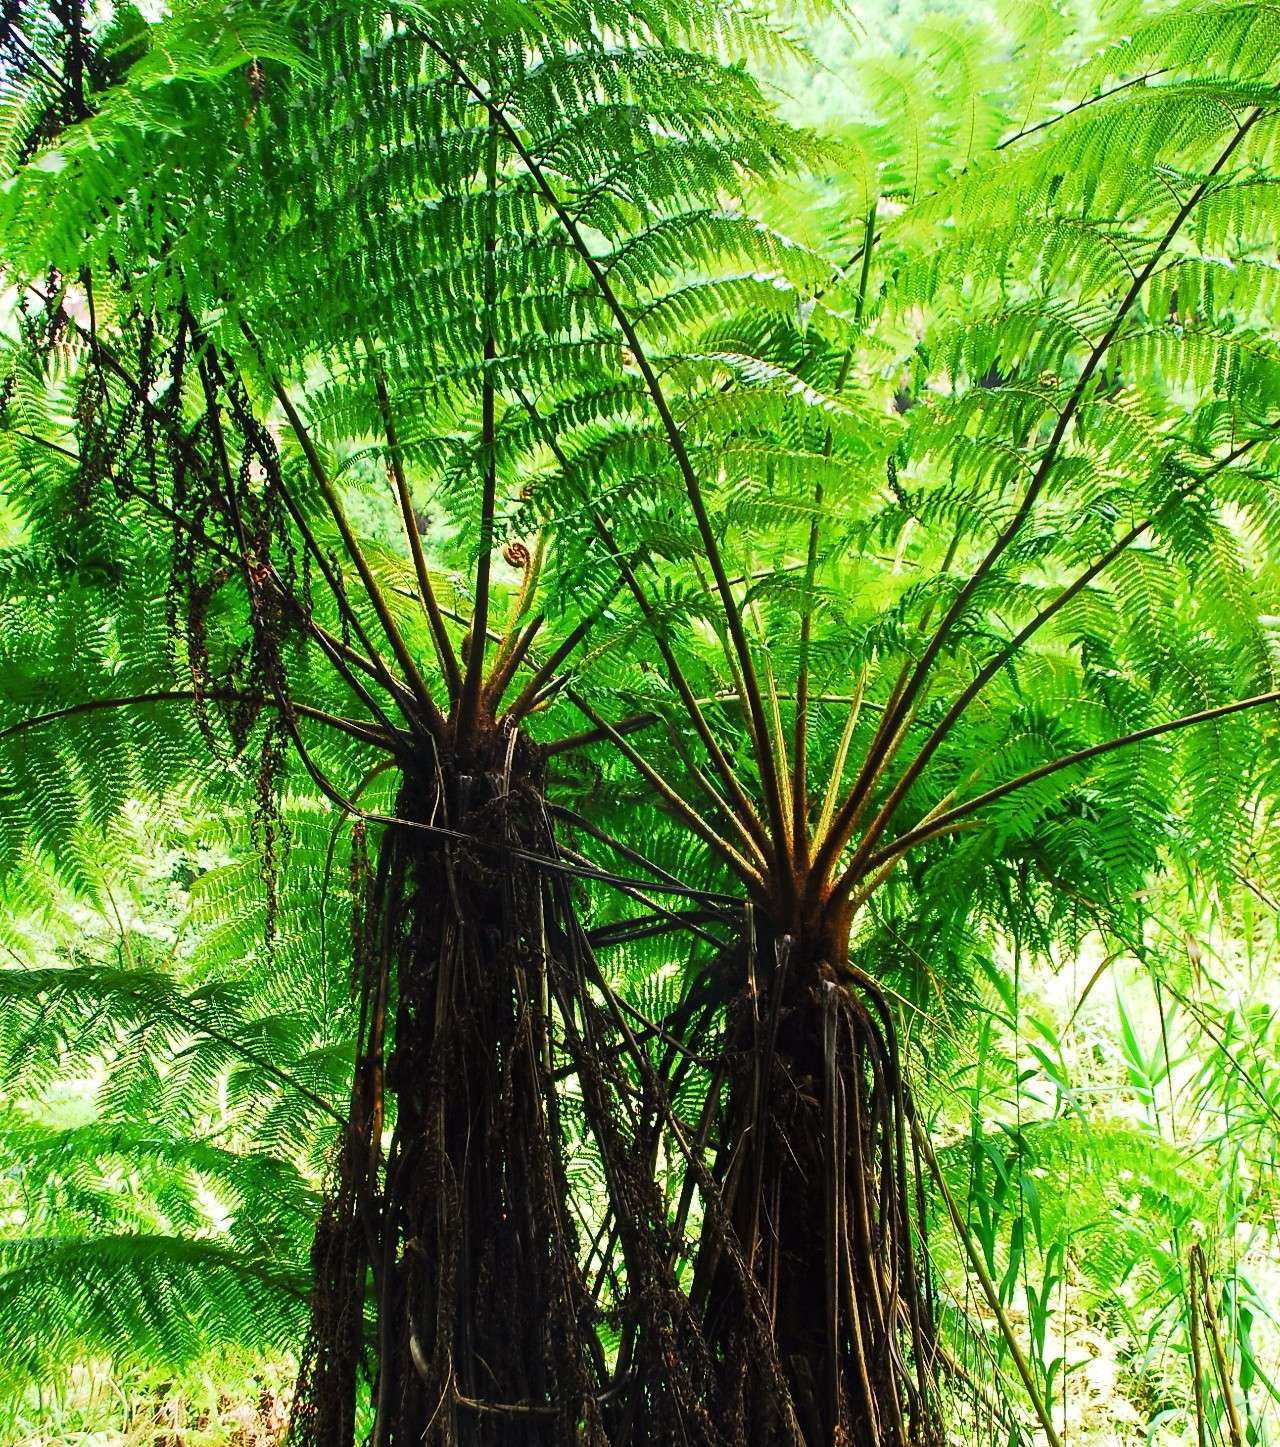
<point>875,526</point>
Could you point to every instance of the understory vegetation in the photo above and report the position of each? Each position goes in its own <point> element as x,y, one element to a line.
<point>639,750</point>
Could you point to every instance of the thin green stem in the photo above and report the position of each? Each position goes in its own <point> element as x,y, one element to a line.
<point>979,1269</point>
<point>800,746</point>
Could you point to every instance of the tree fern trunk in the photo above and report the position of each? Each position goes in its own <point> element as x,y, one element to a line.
<point>449,1278</point>
<point>481,1325</point>
<point>816,1179</point>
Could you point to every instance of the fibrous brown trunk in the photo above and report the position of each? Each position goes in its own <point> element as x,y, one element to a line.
<point>459,1250</point>
<point>486,1331</point>
<point>816,1176</point>
<point>450,1277</point>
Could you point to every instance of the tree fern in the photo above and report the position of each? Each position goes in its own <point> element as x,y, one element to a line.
<point>430,419</point>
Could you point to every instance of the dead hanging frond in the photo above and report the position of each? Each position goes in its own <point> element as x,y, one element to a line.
<point>268,827</point>
<point>231,530</point>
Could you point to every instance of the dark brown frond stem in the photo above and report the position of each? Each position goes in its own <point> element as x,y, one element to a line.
<point>213,413</point>
<point>646,927</point>
<point>46,442</point>
<point>546,671</point>
<point>611,841</point>
<point>721,804</point>
<point>864,885</point>
<point>469,704</point>
<point>765,758</point>
<point>739,691</point>
<point>894,718</point>
<point>58,82</point>
<point>422,695</point>
<point>1080,106</point>
<point>588,737</point>
<point>637,892</point>
<point>992,667</point>
<point>288,715</point>
<point>107,358</point>
<point>451,614</point>
<point>273,675</point>
<point>376,669</point>
<point>509,659</point>
<point>554,865</point>
<point>339,653</point>
<point>444,648</point>
<point>349,726</point>
<point>676,802</point>
<point>719,759</point>
<point>944,822</point>
<point>342,654</point>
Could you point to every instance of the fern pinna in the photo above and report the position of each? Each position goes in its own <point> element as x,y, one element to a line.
<point>434,410</point>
